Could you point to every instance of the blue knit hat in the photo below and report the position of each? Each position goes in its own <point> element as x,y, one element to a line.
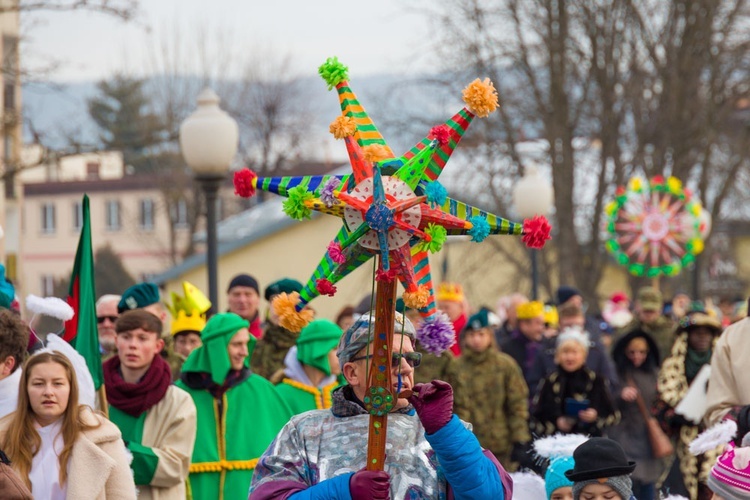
<point>555,478</point>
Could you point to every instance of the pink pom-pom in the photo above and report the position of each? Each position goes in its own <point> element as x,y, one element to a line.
<point>244,183</point>
<point>325,287</point>
<point>536,231</point>
<point>441,133</point>
<point>335,253</point>
<point>385,276</point>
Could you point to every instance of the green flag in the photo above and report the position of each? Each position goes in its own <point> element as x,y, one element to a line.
<point>81,330</point>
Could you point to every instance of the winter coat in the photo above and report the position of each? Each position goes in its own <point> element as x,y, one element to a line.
<point>632,432</point>
<point>672,387</point>
<point>730,386</point>
<point>495,385</point>
<point>549,402</point>
<point>98,466</point>
<point>523,351</point>
<point>163,453</point>
<point>268,356</point>
<point>597,361</point>
<point>445,368</point>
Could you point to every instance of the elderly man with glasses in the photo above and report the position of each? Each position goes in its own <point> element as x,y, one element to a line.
<point>106,316</point>
<point>430,452</point>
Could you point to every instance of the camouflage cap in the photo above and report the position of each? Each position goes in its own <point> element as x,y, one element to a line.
<point>360,334</point>
<point>650,299</point>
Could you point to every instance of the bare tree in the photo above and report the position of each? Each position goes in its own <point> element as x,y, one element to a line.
<point>646,86</point>
<point>124,9</point>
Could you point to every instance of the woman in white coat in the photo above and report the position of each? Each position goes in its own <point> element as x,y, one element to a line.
<point>60,448</point>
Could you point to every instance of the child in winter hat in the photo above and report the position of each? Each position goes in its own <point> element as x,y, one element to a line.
<point>730,476</point>
<point>601,468</point>
<point>557,485</point>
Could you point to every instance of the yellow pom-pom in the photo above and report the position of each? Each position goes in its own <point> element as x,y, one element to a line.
<point>674,185</point>
<point>480,97</point>
<point>417,299</point>
<point>697,245</point>
<point>284,305</point>
<point>375,152</point>
<point>343,126</point>
<point>611,208</point>
<point>636,183</point>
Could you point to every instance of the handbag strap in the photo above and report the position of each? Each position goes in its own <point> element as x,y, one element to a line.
<point>639,400</point>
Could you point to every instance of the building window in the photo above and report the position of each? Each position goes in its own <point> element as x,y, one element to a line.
<point>77,216</point>
<point>92,170</point>
<point>178,211</point>
<point>48,218</point>
<point>113,215</point>
<point>48,285</point>
<point>147,214</point>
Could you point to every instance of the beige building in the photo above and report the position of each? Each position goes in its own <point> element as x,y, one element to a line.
<point>11,198</point>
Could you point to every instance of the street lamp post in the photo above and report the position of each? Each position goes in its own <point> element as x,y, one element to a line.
<point>532,196</point>
<point>208,140</point>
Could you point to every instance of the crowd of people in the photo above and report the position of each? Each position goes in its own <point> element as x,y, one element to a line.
<point>238,406</point>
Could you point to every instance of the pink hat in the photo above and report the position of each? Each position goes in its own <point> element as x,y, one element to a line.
<point>730,475</point>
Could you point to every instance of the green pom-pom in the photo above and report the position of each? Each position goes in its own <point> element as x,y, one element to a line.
<point>637,269</point>
<point>612,245</point>
<point>623,259</point>
<point>438,234</point>
<point>653,272</point>
<point>333,72</point>
<point>294,205</point>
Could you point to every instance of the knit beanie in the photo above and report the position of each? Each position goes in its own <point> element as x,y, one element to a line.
<point>565,293</point>
<point>730,475</point>
<point>361,333</point>
<point>623,485</point>
<point>315,342</point>
<point>554,477</point>
<point>244,280</point>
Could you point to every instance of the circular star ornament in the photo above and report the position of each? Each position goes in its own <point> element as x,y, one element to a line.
<point>654,227</point>
<point>391,206</point>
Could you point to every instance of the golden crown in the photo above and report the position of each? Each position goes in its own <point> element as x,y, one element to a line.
<point>450,291</point>
<point>530,310</point>
<point>185,322</point>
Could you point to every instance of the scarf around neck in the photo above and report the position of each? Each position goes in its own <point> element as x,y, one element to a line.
<point>135,399</point>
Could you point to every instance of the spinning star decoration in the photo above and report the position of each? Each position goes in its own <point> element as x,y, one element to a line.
<point>654,227</point>
<point>391,206</point>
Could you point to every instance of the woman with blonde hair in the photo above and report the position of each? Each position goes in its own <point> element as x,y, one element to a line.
<point>60,448</point>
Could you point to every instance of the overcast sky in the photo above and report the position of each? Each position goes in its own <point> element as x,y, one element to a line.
<point>370,37</point>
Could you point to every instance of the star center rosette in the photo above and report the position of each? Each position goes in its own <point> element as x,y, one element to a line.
<point>392,207</point>
<point>654,227</point>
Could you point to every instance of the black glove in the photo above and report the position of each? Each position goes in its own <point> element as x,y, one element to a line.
<point>522,453</point>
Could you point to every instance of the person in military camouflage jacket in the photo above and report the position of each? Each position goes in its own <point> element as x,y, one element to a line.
<point>494,385</point>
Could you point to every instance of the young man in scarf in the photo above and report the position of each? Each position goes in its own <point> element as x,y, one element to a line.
<point>239,413</point>
<point>157,420</point>
<point>311,371</point>
<point>431,452</point>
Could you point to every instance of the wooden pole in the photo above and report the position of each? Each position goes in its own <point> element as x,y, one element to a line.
<point>379,398</point>
<point>104,406</point>
<point>655,282</point>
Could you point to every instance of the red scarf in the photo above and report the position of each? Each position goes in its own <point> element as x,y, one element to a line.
<point>458,327</point>
<point>135,399</point>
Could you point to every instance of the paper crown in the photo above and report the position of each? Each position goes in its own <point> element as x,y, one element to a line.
<point>185,322</point>
<point>193,300</point>
<point>451,292</point>
<point>529,310</point>
<point>551,317</point>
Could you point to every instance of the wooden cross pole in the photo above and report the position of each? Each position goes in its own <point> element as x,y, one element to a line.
<point>379,398</point>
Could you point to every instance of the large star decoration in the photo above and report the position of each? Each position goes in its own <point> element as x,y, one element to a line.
<point>391,206</point>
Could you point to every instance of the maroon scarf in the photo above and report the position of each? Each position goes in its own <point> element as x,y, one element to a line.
<point>134,399</point>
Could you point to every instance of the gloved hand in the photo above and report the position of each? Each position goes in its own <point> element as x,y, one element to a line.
<point>434,404</point>
<point>522,454</point>
<point>375,484</point>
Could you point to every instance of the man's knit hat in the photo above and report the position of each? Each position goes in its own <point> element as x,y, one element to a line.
<point>244,280</point>
<point>360,334</point>
<point>565,293</point>
<point>623,485</point>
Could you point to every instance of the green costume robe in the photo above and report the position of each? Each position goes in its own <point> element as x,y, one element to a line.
<point>302,397</point>
<point>223,463</point>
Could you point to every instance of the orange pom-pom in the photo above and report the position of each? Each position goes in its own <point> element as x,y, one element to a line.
<point>480,97</point>
<point>417,299</point>
<point>285,307</point>
<point>376,153</point>
<point>343,126</point>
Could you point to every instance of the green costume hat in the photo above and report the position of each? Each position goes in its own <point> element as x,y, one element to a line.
<point>212,357</point>
<point>315,342</point>
<point>138,296</point>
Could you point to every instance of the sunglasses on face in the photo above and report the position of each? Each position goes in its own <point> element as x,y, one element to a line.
<point>100,319</point>
<point>412,358</point>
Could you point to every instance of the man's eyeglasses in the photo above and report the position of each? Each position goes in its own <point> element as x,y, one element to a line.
<point>412,358</point>
<point>100,319</point>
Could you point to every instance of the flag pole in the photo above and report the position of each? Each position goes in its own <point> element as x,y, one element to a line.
<point>104,406</point>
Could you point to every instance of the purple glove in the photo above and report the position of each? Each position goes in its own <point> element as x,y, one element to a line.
<point>375,484</point>
<point>434,404</point>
